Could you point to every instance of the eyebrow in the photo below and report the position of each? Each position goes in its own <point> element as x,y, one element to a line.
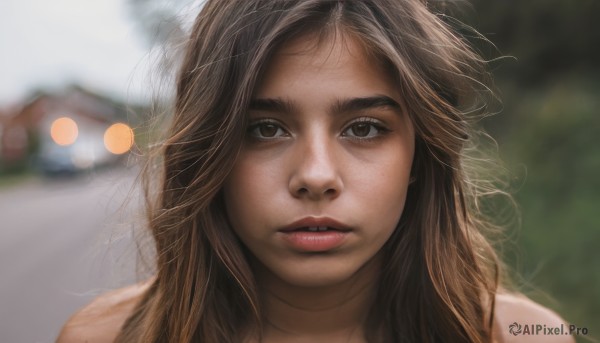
<point>272,105</point>
<point>279,105</point>
<point>359,104</point>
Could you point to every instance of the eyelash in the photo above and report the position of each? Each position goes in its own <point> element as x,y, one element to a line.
<point>256,125</point>
<point>373,123</point>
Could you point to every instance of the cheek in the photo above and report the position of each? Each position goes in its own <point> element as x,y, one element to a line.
<point>384,187</point>
<point>246,191</point>
<point>235,189</point>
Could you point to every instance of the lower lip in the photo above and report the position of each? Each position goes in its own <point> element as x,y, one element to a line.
<point>314,241</point>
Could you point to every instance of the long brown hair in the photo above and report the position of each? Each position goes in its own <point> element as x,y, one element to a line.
<point>441,276</point>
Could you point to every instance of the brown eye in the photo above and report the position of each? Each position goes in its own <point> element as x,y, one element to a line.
<point>365,129</point>
<point>266,130</point>
<point>361,129</point>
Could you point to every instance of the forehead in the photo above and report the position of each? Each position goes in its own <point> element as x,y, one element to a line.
<point>337,47</point>
<point>333,57</point>
<point>329,47</point>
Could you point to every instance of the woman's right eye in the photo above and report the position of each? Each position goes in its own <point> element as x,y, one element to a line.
<point>266,130</point>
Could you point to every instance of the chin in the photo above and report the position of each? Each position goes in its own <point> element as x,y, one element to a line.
<point>312,275</point>
<point>313,281</point>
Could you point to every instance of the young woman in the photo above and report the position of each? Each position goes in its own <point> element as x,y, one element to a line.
<point>315,187</point>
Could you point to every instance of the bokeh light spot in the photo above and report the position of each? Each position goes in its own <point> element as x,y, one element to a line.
<point>118,138</point>
<point>64,131</point>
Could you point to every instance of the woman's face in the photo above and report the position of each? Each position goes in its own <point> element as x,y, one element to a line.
<point>328,145</point>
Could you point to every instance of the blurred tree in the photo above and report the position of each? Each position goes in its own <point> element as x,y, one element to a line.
<point>160,21</point>
<point>549,131</point>
<point>548,37</point>
<point>165,24</point>
<point>554,137</point>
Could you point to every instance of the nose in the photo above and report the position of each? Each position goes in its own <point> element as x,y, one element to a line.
<point>315,173</point>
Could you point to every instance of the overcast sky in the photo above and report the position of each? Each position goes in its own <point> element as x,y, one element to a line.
<point>54,43</point>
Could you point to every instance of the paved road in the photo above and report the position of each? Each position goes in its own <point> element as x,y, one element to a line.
<point>62,242</point>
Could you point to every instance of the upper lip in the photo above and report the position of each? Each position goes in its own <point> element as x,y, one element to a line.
<point>316,221</point>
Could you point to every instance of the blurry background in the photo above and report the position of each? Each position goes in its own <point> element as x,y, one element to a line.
<point>549,138</point>
<point>76,79</point>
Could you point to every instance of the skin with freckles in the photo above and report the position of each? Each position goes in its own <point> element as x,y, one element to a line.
<point>327,137</point>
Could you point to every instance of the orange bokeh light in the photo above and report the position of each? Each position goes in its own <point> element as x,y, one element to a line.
<point>64,131</point>
<point>118,138</point>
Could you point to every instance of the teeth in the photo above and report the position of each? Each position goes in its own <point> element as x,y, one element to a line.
<point>317,228</point>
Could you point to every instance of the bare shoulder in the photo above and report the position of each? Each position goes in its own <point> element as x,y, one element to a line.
<point>101,320</point>
<point>518,319</point>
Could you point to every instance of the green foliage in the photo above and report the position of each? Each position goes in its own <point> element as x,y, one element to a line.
<point>552,137</point>
<point>549,136</point>
<point>545,36</point>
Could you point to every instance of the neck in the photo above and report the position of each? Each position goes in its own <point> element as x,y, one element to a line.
<point>326,313</point>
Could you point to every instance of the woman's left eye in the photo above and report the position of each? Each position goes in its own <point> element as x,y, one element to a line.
<point>364,129</point>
